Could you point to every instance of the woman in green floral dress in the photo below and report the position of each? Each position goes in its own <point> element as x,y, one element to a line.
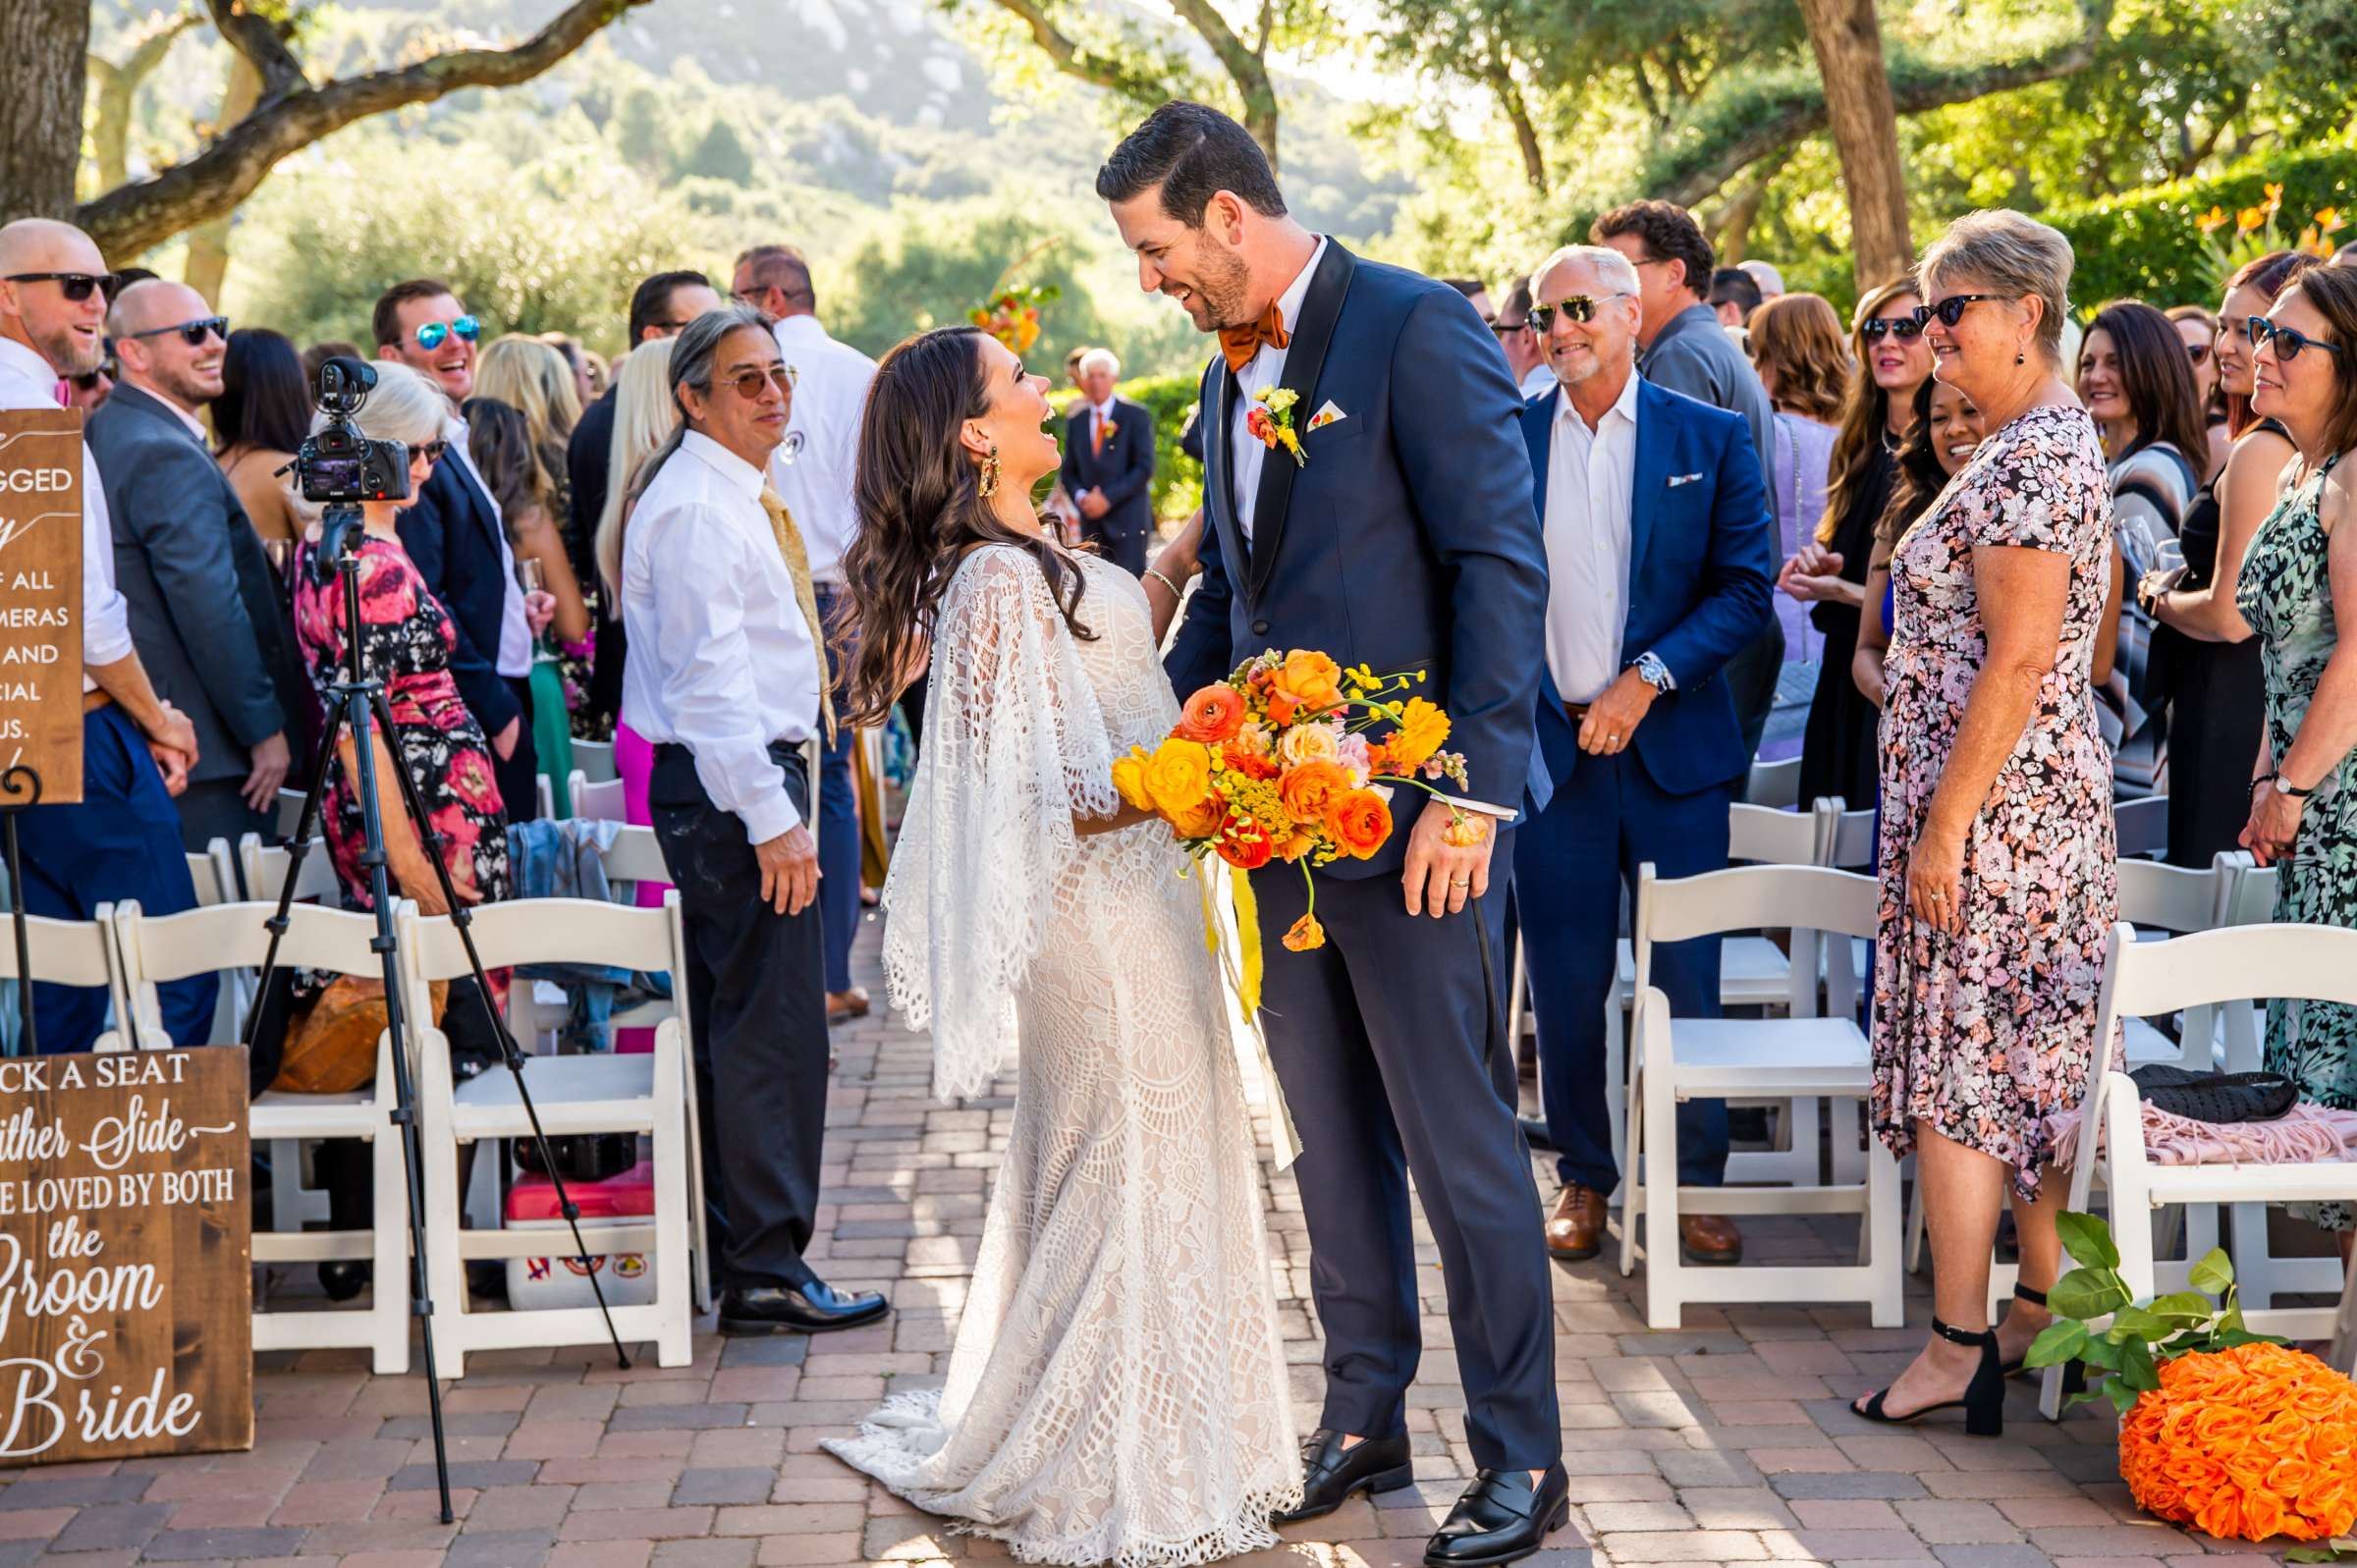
<point>2299,593</point>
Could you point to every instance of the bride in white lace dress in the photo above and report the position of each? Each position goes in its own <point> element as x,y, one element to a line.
<point>1118,1392</point>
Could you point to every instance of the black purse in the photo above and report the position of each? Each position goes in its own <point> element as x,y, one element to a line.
<point>2216,1097</point>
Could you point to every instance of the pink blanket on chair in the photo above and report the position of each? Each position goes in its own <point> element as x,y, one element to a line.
<point>2302,1134</point>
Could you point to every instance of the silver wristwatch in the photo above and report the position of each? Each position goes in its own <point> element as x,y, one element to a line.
<point>1653,672</point>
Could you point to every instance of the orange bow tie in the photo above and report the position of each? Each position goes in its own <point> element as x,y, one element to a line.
<point>1240,344</point>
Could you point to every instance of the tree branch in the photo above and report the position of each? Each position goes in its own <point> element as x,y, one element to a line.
<point>1526,134</point>
<point>1074,59</point>
<point>119,84</point>
<point>128,219</point>
<point>1693,166</point>
<point>263,45</point>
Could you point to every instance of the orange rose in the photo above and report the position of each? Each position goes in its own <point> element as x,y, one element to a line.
<point>1306,935</point>
<point>1244,843</point>
<point>1359,822</point>
<point>1307,789</point>
<point>2220,1516</point>
<point>2213,1425</point>
<point>1307,680</point>
<point>1212,715</point>
<point>2290,1476</point>
<point>2263,1514</point>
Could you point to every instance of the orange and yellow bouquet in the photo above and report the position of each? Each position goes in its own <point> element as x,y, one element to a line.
<point>1282,761</point>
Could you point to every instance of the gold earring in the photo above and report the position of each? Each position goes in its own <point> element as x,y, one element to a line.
<point>990,472</point>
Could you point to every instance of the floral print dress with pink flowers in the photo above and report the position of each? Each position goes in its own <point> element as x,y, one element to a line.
<point>407,643</point>
<point>1986,1033</point>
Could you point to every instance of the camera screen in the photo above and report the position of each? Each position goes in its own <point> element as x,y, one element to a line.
<point>340,475</point>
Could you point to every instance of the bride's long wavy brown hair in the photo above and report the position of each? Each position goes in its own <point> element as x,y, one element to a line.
<point>921,508</point>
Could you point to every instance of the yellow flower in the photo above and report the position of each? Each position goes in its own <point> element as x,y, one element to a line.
<point>1423,728</point>
<point>1177,776</point>
<point>2212,221</point>
<point>2249,218</point>
<point>2274,198</point>
<point>2329,219</point>
<point>1129,778</point>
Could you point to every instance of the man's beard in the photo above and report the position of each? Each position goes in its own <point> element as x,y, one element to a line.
<point>68,354</point>
<point>187,389</point>
<point>1223,283</point>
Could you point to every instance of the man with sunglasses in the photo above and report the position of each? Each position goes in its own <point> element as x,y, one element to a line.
<point>205,608</point>
<point>459,543</point>
<point>1525,351</point>
<point>1658,575</point>
<point>121,840</point>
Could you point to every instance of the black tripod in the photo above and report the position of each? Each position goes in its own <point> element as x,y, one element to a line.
<point>353,704</point>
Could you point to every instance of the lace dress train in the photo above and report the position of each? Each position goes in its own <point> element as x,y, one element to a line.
<point>1118,1390</point>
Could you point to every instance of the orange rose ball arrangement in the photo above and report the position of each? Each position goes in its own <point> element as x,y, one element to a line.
<point>2246,1444</point>
<point>1293,759</point>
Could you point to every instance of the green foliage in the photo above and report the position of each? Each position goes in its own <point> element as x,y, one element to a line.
<point>1177,487</point>
<point>2146,244</point>
<point>2124,1356</point>
<point>936,268</point>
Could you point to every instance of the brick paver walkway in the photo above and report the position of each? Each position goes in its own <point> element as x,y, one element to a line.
<point>1726,1442</point>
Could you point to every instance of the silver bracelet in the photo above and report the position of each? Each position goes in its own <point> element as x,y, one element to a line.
<point>1166,582</point>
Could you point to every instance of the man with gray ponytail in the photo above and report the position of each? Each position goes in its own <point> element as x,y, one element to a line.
<point>726,677</point>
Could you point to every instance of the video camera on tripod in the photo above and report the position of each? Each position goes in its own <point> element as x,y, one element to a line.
<point>341,467</point>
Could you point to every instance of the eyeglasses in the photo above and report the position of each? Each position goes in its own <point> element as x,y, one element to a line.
<point>1949,310</point>
<point>749,382</point>
<point>433,451</point>
<point>2197,352</point>
<point>191,333</point>
<point>434,333</point>
<point>2288,340</point>
<point>669,329</point>
<point>1508,328</point>
<point>1580,307</point>
<point>1901,327</point>
<point>75,285</point>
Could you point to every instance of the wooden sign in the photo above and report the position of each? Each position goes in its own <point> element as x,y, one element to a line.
<point>126,1276</point>
<point>41,599</point>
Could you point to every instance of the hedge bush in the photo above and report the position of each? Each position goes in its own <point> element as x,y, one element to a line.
<point>2146,245</point>
<point>1178,478</point>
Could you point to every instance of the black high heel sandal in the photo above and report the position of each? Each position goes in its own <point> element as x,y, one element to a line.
<point>1983,1401</point>
<point>2036,1298</point>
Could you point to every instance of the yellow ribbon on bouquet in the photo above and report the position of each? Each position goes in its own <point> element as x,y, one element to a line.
<point>1242,969</point>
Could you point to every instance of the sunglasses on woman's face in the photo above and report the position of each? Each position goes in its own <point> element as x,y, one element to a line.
<point>749,382</point>
<point>75,285</point>
<point>434,333</point>
<point>2197,352</point>
<point>191,333</point>
<point>1580,307</point>
<point>1949,310</point>
<point>2288,340</point>
<point>433,451</point>
<point>1901,327</point>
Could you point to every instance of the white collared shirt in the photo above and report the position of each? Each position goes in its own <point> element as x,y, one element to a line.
<point>1590,478</point>
<point>722,660</point>
<point>813,469</point>
<point>196,425</point>
<point>514,657</point>
<point>1266,370</point>
<point>1104,417</point>
<point>26,381</point>
<point>1539,378</point>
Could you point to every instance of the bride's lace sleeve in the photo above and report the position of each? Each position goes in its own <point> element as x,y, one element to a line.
<point>1013,745</point>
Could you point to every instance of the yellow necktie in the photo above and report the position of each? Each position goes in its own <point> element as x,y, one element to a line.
<point>798,566</point>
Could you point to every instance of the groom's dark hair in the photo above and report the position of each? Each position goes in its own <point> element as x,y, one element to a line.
<point>1193,152</point>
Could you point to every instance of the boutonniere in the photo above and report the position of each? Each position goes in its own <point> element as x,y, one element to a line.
<point>1111,428</point>
<point>1272,422</point>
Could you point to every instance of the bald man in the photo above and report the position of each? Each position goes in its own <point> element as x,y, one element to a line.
<point>204,609</point>
<point>122,840</point>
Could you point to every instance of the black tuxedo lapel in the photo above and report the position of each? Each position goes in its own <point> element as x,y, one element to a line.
<point>1219,475</point>
<point>1305,357</point>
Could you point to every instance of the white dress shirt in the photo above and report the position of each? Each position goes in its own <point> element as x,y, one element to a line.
<point>1590,476</point>
<point>26,381</point>
<point>722,660</point>
<point>513,659</point>
<point>1540,378</point>
<point>813,470</point>
<point>1266,370</point>
<point>1104,417</point>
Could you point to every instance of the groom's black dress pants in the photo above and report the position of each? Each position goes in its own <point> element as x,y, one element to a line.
<point>756,994</point>
<point>1389,1042</point>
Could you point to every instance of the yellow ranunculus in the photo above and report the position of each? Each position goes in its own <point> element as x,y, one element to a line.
<point>1423,729</point>
<point>1129,778</point>
<point>1179,776</point>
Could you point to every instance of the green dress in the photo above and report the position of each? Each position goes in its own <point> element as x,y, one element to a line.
<point>2286,595</point>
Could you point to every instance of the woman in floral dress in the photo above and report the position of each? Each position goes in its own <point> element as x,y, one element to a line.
<point>1999,884</point>
<point>2304,789</point>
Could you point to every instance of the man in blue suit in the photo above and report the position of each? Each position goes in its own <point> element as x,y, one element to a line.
<point>1109,464</point>
<point>1659,570</point>
<point>1402,538</point>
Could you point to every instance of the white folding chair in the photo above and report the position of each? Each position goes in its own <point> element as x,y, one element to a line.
<point>295,1202</point>
<point>2143,978</point>
<point>2142,826</point>
<point>76,953</point>
<point>594,760</point>
<point>1774,783</point>
<point>600,799</point>
<point>215,878</point>
<point>203,940</point>
<point>1791,1058</point>
<point>639,1093</point>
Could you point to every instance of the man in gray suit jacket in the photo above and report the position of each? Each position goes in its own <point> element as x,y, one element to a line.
<point>205,606</point>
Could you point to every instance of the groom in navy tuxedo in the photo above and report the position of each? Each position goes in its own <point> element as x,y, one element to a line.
<point>1404,538</point>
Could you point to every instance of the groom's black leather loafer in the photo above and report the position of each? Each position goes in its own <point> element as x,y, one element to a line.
<point>1502,1518</point>
<point>1332,1473</point>
<point>811,1308</point>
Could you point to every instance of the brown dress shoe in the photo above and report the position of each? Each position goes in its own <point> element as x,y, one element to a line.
<point>1709,1239</point>
<point>1575,1230</point>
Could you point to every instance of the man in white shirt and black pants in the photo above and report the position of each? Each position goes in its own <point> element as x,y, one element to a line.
<point>725,678</point>
<point>811,470</point>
